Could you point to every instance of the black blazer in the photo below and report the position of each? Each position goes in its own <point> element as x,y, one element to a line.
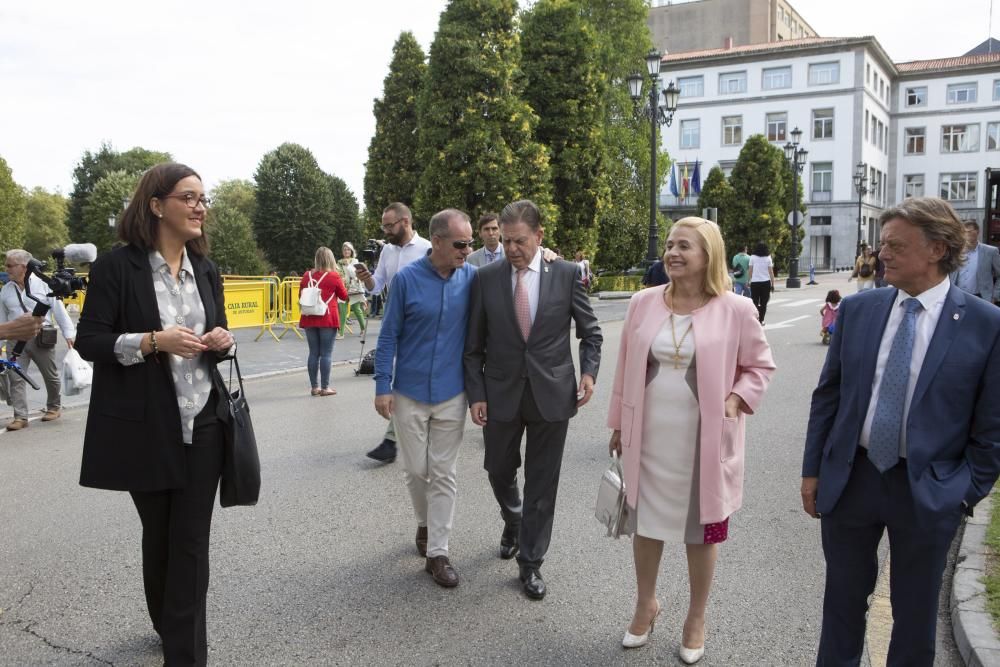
<point>498,360</point>
<point>133,440</point>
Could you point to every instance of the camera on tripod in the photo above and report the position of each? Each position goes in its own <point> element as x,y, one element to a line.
<point>370,253</point>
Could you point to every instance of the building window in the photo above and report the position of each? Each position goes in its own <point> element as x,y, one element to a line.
<point>775,78</point>
<point>881,89</point>
<point>916,97</point>
<point>776,125</point>
<point>996,90</point>
<point>691,133</point>
<point>822,181</point>
<point>732,82</point>
<point>820,220</point>
<point>959,138</point>
<point>866,124</point>
<point>913,185</point>
<point>961,93</point>
<point>732,130</point>
<point>691,86</point>
<point>915,140</point>
<point>821,74</point>
<point>822,123</point>
<point>958,187</point>
<point>868,73</point>
<point>878,139</point>
<point>993,136</point>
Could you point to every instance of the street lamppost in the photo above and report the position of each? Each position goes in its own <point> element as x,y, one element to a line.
<point>861,186</point>
<point>796,158</point>
<point>658,115</point>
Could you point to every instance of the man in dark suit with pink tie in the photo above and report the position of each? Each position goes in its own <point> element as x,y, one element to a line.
<point>904,433</point>
<point>519,375</point>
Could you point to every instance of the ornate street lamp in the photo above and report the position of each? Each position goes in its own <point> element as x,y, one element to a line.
<point>861,187</point>
<point>796,158</point>
<point>658,115</point>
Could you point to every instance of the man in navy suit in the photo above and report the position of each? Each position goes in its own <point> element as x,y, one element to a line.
<point>904,433</point>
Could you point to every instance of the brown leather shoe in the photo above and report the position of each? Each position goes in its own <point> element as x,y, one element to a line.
<point>51,415</point>
<point>442,571</point>
<point>421,540</point>
<point>17,424</point>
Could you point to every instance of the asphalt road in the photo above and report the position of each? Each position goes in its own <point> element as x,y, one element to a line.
<point>323,571</point>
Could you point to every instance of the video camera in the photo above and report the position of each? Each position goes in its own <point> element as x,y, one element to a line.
<point>63,282</point>
<point>371,252</point>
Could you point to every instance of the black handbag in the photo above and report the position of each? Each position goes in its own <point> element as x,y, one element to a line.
<point>241,465</point>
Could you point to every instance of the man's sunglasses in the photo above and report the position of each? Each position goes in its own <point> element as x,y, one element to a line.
<point>458,245</point>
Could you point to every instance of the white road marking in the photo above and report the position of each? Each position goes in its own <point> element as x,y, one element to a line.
<point>801,302</point>
<point>786,324</point>
<point>774,302</point>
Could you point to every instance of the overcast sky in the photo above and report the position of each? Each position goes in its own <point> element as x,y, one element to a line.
<point>221,82</point>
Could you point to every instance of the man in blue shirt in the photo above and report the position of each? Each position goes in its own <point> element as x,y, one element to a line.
<point>419,380</point>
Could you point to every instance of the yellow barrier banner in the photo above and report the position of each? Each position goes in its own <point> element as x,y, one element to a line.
<point>249,304</point>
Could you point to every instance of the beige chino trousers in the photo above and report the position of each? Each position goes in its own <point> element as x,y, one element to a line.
<point>429,436</point>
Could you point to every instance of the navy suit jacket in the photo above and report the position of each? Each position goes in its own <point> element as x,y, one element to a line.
<point>953,426</point>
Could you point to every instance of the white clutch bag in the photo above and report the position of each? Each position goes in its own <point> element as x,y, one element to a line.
<point>612,509</point>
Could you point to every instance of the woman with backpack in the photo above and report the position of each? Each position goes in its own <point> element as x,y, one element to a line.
<point>864,269</point>
<point>321,286</point>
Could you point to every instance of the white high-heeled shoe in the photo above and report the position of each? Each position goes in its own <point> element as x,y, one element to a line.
<point>691,655</point>
<point>635,641</point>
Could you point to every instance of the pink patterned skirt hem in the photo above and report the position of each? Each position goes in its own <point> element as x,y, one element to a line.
<point>717,532</point>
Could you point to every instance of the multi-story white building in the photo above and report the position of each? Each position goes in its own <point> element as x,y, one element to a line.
<point>853,105</point>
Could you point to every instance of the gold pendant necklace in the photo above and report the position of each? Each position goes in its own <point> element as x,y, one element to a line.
<point>673,332</point>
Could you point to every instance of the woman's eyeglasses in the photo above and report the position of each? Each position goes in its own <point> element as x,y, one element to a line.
<point>190,200</point>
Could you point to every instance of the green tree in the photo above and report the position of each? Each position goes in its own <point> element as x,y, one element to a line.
<point>717,193</point>
<point>12,209</point>
<point>294,204</point>
<point>345,215</point>
<point>229,226</point>
<point>759,198</point>
<point>393,168</point>
<point>623,42</point>
<point>46,222</point>
<point>477,145</point>
<point>103,203</point>
<point>94,166</point>
<point>567,90</point>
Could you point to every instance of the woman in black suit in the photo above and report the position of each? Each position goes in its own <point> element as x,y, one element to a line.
<point>154,324</point>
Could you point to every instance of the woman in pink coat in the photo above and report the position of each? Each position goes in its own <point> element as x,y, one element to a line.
<point>692,363</point>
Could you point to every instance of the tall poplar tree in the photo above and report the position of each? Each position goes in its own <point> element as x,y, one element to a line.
<point>229,227</point>
<point>623,42</point>
<point>393,168</point>
<point>45,227</point>
<point>566,89</point>
<point>759,196</point>
<point>294,204</point>
<point>477,145</point>
<point>344,214</point>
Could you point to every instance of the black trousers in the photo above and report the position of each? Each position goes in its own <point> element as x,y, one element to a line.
<point>760,292</point>
<point>871,504</point>
<point>175,535</point>
<point>542,463</point>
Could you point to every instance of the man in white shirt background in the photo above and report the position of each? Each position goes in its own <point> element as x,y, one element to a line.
<point>403,246</point>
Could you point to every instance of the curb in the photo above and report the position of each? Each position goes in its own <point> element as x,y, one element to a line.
<point>971,624</point>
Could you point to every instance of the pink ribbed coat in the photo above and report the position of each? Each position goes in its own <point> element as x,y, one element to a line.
<point>732,356</point>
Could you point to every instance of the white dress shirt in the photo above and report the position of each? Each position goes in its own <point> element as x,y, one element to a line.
<point>932,301</point>
<point>530,281</point>
<point>394,257</point>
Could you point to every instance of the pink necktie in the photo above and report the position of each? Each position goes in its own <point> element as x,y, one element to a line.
<point>521,307</point>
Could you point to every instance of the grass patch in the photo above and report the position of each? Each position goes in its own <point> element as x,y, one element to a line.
<point>993,561</point>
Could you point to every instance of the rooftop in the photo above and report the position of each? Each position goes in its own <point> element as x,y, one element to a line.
<point>948,63</point>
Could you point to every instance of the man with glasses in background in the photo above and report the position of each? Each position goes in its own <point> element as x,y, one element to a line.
<point>403,247</point>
